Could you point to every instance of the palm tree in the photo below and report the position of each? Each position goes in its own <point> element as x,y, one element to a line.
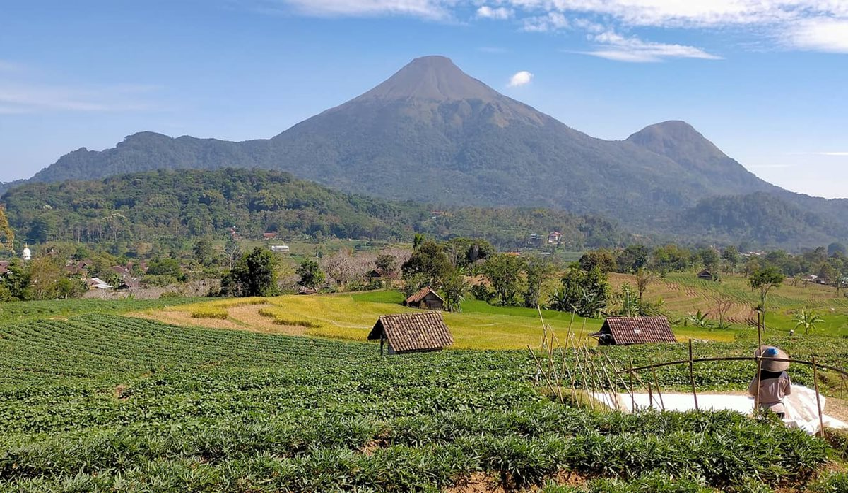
<point>807,319</point>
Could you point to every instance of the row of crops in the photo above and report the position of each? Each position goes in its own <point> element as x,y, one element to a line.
<point>108,403</point>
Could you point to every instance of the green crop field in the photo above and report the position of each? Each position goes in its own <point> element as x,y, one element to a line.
<point>111,403</point>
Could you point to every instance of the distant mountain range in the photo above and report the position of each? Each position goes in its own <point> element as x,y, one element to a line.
<point>433,134</point>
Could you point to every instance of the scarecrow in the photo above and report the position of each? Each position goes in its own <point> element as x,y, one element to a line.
<point>772,384</point>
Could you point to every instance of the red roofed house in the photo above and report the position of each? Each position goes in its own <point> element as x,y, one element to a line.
<point>427,299</point>
<point>411,332</point>
<point>634,330</point>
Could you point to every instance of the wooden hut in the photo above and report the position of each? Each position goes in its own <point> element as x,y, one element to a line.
<point>705,275</point>
<point>411,332</point>
<point>634,330</point>
<point>427,299</point>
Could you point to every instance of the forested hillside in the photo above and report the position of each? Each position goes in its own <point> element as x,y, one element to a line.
<point>198,203</point>
<point>761,219</point>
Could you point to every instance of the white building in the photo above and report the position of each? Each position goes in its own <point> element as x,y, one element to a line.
<point>27,254</point>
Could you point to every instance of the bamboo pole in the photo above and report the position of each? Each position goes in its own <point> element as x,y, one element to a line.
<point>692,375</point>
<point>650,396</point>
<point>659,391</point>
<point>757,379</point>
<point>735,358</point>
<point>632,396</point>
<point>818,398</point>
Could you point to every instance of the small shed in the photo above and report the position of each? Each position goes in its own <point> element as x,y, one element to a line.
<point>411,332</point>
<point>705,275</point>
<point>427,299</point>
<point>634,330</point>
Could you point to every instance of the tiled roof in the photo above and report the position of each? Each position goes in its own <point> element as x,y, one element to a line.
<point>415,298</point>
<point>413,331</point>
<point>638,330</point>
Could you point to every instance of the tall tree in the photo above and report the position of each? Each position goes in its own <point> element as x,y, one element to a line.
<point>538,270</point>
<point>763,280</point>
<point>504,273</point>
<point>253,275</point>
<point>602,259</point>
<point>583,293</point>
<point>429,261</point>
<point>454,289</point>
<point>731,256</point>
<point>7,236</point>
<point>644,278</point>
<point>204,252</point>
<point>310,274</point>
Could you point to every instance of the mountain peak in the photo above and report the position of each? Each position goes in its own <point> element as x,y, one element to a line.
<point>674,137</point>
<point>432,78</point>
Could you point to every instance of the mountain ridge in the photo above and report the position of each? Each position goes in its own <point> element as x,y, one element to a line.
<point>434,134</point>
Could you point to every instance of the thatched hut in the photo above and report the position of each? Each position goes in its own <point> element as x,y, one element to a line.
<point>634,330</point>
<point>411,332</point>
<point>427,299</point>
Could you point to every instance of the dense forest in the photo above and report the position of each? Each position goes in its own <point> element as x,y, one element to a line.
<point>762,219</point>
<point>199,203</point>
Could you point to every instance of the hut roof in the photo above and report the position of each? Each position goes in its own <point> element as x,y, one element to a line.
<point>415,298</point>
<point>413,331</point>
<point>637,330</point>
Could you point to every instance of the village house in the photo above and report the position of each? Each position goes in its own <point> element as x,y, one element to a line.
<point>634,330</point>
<point>426,299</point>
<point>411,332</point>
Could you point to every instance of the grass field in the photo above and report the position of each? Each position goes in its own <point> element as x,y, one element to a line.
<point>111,403</point>
<point>351,316</point>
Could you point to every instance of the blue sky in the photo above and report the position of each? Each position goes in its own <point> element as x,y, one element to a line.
<point>766,80</point>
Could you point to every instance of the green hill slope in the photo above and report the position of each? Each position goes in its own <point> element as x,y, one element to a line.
<point>194,203</point>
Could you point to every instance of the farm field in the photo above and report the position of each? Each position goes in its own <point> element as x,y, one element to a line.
<point>112,403</point>
<point>684,294</point>
<point>351,316</point>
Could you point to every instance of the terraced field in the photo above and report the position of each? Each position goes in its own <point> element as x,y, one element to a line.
<point>109,403</point>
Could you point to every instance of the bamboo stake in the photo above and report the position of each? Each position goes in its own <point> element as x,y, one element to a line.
<point>818,397</point>
<point>650,396</point>
<point>618,373</point>
<point>632,396</point>
<point>692,375</point>
<point>757,378</point>
<point>659,391</point>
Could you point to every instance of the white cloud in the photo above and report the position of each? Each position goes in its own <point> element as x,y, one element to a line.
<point>520,79</point>
<point>434,9</point>
<point>689,13</point>
<point>487,12</point>
<point>819,25</point>
<point>613,46</point>
<point>838,154</point>
<point>548,22</point>
<point>829,35</point>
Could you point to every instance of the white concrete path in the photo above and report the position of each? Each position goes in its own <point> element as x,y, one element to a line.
<point>801,410</point>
